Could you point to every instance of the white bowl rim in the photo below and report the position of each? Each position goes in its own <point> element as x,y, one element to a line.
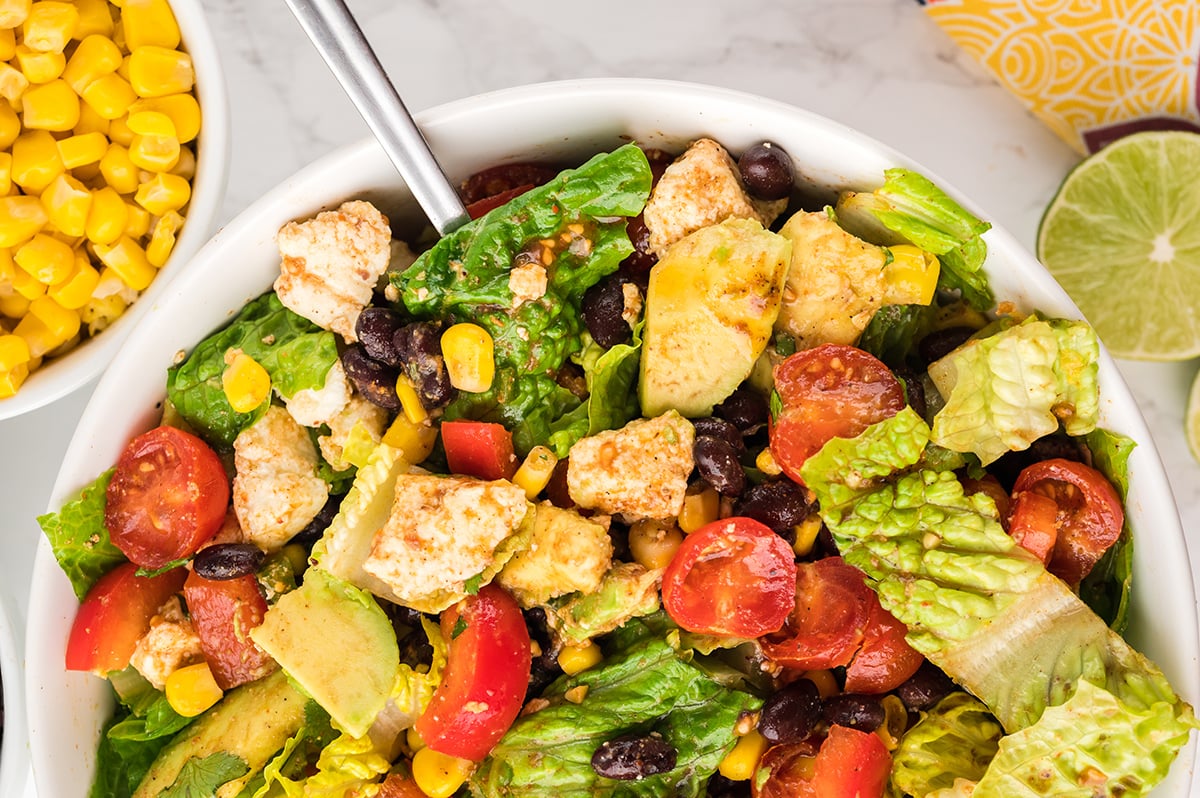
<point>1150,479</point>
<point>63,375</point>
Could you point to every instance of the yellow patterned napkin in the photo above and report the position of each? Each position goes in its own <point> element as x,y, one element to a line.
<point>1093,70</point>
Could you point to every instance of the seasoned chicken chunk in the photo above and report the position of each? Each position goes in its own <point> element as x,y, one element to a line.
<point>331,264</point>
<point>640,470</point>
<point>169,644</point>
<point>702,187</point>
<point>567,553</point>
<point>276,490</point>
<point>444,532</point>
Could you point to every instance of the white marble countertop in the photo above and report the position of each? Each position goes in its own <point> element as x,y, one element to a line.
<point>877,65</point>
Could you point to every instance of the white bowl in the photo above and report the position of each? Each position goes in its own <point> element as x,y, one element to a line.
<point>14,751</point>
<point>60,376</point>
<point>559,122</point>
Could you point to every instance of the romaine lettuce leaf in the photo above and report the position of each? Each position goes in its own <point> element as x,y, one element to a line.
<point>79,539</point>
<point>294,351</point>
<point>955,739</point>
<point>1106,589</point>
<point>122,762</point>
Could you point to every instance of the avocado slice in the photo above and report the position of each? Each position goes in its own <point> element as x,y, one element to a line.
<point>711,304</point>
<point>336,642</point>
<point>251,723</point>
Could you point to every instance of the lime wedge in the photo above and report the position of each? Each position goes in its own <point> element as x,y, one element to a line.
<point>1191,418</point>
<point>1122,236</point>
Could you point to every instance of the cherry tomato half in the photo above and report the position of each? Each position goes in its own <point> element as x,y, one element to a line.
<point>479,449</point>
<point>886,660</point>
<point>848,764</point>
<point>828,618</point>
<point>223,612</point>
<point>114,614</point>
<point>486,675</point>
<point>167,496</point>
<point>830,391</point>
<point>1088,517</point>
<point>733,577</point>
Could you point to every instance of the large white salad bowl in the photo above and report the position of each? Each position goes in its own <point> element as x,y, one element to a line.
<point>561,122</point>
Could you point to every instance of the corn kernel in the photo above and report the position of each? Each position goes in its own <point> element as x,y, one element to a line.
<point>439,775</point>
<point>36,161</point>
<point>468,351</point>
<point>39,67</point>
<point>576,659</point>
<point>415,441</point>
<point>129,261</point>
<point>51,106</point>
<point>107,217</point>
<point>825,681</point>
<point>6,184</point>
<point>8,44</point>
<point>535,471</point>
<point>49,26</point>
<point>765,462</point>
<point>13,82</point>
<point>100,312</point>
<point>95,18</point>
<point>90,122</point>
<point>13,12</point>
<point>742,760</point>
<point>75,291</point>
<point>245,382</point>
<point>10,126</point>
<point>410,400</point>
<point>150,123</point>
<point>62,322</point>
<point>119,132</point>
<point>162,238</point>
<point>37,335</point>
<point>158,71</point>
<point>414,740</point>
<point>895,722</point>
<point>109,95</point>
<point>192,689</point>
<point>653,544</point>
<point>12,380</point>
<point>186,167</point>
<point>699,508</point>
<point>137,221</point>
<point>13,305</point>
<point>68,203</point>
<point>27,285</point>
<point>94,57</point>
<point>911,276</point>
<point>20,218</point>
<point>155,153</point>
<point>183,109</point>
<point>149,22</point>
<point>81,149</point>
<point>119,172</point>
<point>806,534</point>
<point>13,352</point>
<point>46,258</point>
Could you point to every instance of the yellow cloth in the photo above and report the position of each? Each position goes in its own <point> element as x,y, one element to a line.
<point>1093,70</point>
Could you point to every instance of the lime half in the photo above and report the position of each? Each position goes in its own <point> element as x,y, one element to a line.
<point>1122,236</point>
<point>1191,418</point>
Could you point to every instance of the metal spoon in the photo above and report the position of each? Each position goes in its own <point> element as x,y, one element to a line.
<point>340,41</point>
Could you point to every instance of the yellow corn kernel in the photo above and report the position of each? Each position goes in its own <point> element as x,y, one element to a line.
<point>8,44</point>
<point>90,122</point>
<point>806,534</point>
<point>26,285</point>
<point>38,66</point>
<point>123,69</point>
<point>911,276</point>
<point>109,95</point>
<point>10,126</point>
<point>895,721</point>
<point>149,22</point>
<point>50,106</point>
<point>183,109</point>
<point>414,740</point>
<point>155,153</point>
<point>468,351</point>
<point>119,172</point>
<point>825,681</point>
<point>68,203</point>
<point>410,400</point>
<point>6,184</point>
<point>577,659</point>
<point>13,82</point>
<point>439,775</point>
<point>75,291</point>
<point>36,161</point>
<point>49,26</point>
<point>245,382</point>
<point>107,217</point>
<point>13,12</point>
<point>46,258</point>
<point>137,221</point>
<point>37,335</point>
<point>12,380</point>
<point>82,149</point>
<point>13,352</point>
<point>62,322</point>
<point>100,312</point>
<point>158,71</point>
<point>192,689</point>
<point>95,18</point>
<point>94,57</point>
<point>20,218</point>
<point>186,167</point>
<point>162,238</point>
<point>13,305</point>
<point>535,471</point>
<point>653,544</point>
<point>742,760</point>
<point>150,123</point>
<point>765,462</point>
<point>129,261</point>
<point>699,508</point>
<point>119,132</point>
<point>415,441</point>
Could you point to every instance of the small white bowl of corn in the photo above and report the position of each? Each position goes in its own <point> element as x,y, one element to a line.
<point>114,140</point>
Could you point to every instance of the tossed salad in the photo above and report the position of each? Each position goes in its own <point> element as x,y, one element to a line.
<point>646,482</point>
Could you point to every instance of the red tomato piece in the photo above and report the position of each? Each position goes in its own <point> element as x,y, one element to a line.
<point>851,764</point>
<point>114,614</point>
<point>1089,515</point>
<point>828,619</point>
<point>733,577</point>
<point>223,612</point>
<point>886,660</point>
<point>992,487</point>
<point>786,771</point>
<point>479,449</point>
<point>830,391</point>
<point>505,177</point>
<point>1033,524</point>
<point>397,785</point>
<point>167,496</point>
<point>486,675</point>
<point>482,206</point>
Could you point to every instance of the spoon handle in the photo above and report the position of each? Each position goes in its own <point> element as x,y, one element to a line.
<point>340,41</point>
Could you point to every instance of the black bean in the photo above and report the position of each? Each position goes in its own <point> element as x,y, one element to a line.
<point>938,344</point>
<point>374,380</point>
<point>715,427</point>
<point>861,712</point>
<point>792,714</point>
<point>925,687</point>
<point>376,328</point>
<point>603,310</point>
<point>717,463</point>
<point>638,263</point>
<point>544,667</point>
<point>914,390</point>
<point>227,560</point>
<point>720,787</point>
<point>781,505</point>
<point>315,528</point>
<point>767,171</point>
<point>1011,464</point>
<point>745,408</point>
<point>630,757</point>
<point>420,349</point>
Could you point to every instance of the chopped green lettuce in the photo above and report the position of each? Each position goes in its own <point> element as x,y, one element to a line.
<point>574,229</point>
<point>122,761</point>
<point>294,351</point>
<point>1007,390</point>
<point>893,331</point>
<point>955,739</point>
<point>1107,588</point>
<point>80,540</point>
